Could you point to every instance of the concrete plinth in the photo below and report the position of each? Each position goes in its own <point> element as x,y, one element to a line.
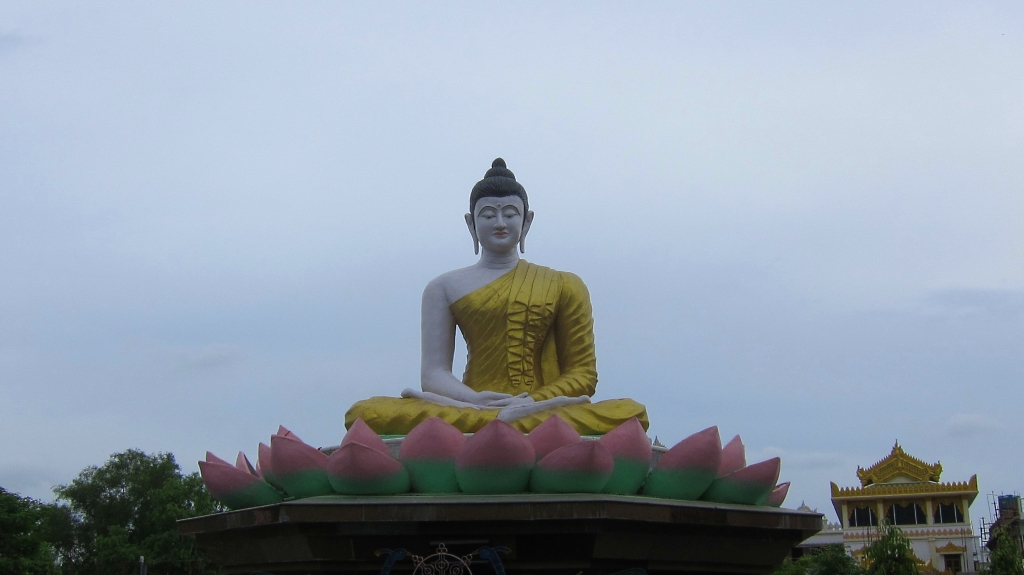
<point>544,534</point>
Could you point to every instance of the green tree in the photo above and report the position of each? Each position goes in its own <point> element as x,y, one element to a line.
<point>1004,556</point>
<point>791,567</point>
<point>825,560</point>
<point>891,554</point>
<point>110,515</point>
<point>833,560</point>
<point>23,546</point>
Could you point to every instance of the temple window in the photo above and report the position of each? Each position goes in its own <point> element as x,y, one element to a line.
<point>863,517</point>
<point>948,513</point>
<point>910,514</point>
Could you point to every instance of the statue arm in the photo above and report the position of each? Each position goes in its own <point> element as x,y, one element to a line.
<point>574,340</point>
<point>437,352</point>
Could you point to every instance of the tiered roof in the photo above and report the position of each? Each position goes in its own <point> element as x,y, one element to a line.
<point>900,475</point>
<point>899,463</point>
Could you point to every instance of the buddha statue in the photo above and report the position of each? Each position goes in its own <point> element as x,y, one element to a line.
<point>529,331</point>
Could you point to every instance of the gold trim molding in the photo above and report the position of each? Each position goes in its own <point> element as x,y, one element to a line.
<point>969,487</point>
<point>914,532</point>
<point>951,548</point>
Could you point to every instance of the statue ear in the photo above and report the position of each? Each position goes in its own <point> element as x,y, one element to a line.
<point>526,228</point>
<point>472,231</point>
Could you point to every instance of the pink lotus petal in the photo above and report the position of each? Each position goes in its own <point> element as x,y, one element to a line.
<point>702,450</point>
<point>288,454</point>
<point>748,486</point>
<point>496,445</point>
<point>583,456</point>
<point>628,440</point>
<point>733,457</point>
<point>433,439</point>
<point>284,432</point>
<point>263,467</point>
<point>236,488</point>
<point>762,473</point>
<point>361,433</point>
<point>360,462</point>
<point>222,478</point>
<point>778,495</point>
<point>211,458</point>
<point>242,462</point>
<point>552,434</point>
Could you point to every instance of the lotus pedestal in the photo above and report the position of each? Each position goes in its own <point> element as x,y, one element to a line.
<point>541,534</point>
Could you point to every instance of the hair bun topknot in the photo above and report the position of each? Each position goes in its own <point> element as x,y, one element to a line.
<point>498,182</point>
<point>499,170</point>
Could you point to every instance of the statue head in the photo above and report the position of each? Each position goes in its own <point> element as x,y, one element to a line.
<point>499,203</point>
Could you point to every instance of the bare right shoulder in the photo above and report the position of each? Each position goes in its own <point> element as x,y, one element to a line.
<point>444,286</point>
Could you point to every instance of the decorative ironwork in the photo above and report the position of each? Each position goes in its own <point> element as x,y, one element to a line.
<point>394,556</point>
<point>442,562</point>
<point>491,554</point>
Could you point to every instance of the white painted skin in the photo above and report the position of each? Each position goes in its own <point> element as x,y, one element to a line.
<point>498,226</point>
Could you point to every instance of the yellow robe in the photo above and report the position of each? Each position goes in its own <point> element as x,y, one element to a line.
<point>531,330</point>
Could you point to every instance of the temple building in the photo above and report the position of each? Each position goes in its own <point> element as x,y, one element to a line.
<point>907,492</point>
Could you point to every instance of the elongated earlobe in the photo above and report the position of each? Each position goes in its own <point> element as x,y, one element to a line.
<point>527,222</point>
<point>472,231</point>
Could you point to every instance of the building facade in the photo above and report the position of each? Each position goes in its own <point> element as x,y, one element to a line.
<point>907,492</point>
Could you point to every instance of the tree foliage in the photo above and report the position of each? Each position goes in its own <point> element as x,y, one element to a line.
<point>891,554</point>
<point>825,560</point>
<point>833,560</point>
<point>793,567</point>
<point>23,546</point>
<point>110,515</point>
<point>1005,556</point>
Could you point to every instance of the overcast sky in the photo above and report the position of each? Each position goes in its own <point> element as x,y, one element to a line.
<point>802,222</point>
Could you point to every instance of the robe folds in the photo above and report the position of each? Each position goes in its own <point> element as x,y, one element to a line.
<point>531,330</point>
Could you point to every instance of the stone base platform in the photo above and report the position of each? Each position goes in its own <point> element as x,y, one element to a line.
<point>574,534</point>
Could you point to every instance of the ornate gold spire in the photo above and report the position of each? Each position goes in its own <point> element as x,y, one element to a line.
<point>896,464</point>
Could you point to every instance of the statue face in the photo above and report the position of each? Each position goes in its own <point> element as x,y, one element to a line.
<point>500,223</point>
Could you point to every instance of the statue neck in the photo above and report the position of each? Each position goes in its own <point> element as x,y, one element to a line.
<point>498,260</point>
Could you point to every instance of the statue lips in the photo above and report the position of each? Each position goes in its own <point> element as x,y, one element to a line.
<point>750,485</point>
<point>428,453</point>
<point>235,488</point>
<point>496,459</point>
<point>583,467</point>
<point>631,449</point>
<point>687,470</point>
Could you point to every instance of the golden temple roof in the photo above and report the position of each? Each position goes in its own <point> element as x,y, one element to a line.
<point>898,464</point>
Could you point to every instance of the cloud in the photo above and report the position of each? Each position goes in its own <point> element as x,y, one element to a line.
<point>971,425</point>
<point>800,459</point>
<point>207,358</point>
<point>973,301</point>
<point>10,42</point>
<point>31,481</point>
